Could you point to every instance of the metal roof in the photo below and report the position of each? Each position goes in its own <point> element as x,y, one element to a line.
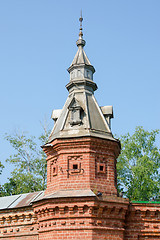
<point>26,199</point>
<point>20,200</point>
<point>80,58</point>
<point>69,193</point>
<point>150,202</point>
<point>86,118</point>
<point>93,120</point>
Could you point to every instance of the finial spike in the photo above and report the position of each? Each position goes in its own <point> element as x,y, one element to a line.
<point>81,33</point>
<point>80,41</point>
<point>81,19</point>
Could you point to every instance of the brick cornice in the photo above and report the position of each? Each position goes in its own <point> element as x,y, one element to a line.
<point>81,213</point>
<point>90,143</point>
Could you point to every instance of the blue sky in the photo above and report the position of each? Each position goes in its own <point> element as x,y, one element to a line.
<point>38,43</point>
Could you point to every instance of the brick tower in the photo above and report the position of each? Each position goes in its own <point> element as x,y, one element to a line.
<point>81,201</point>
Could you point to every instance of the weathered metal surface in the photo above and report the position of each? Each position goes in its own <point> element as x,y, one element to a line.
<point>88,119</point>
<point>20,200</point>
<point>71,193</point>
<point>55,114</point>
<point>26,199</point>
<point>5,202</point>
<point>80,58</point>
<point>93,122</point>
<point>107,111</point>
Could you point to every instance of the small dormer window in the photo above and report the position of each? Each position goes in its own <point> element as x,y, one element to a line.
<point>75,113</point>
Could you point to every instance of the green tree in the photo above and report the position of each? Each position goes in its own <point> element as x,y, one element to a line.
<point>1,167</point>
<point>138,165</point>
<point>29,160</point>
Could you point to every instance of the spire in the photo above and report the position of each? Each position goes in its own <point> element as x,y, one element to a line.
<point>81,41</point>
<point>81,67</point>
<point>81,114</point>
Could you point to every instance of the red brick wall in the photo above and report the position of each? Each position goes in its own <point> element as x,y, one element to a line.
<point>83,163</point>
<point>82,234</point>
<point>94,159</point>
<point>108,235</point>
<point>68,234</point>
<point>143,222</point>
<point>81,218</point>
<point>18,224</point>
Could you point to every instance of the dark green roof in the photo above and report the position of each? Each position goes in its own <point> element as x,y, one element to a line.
<point>152,202</point>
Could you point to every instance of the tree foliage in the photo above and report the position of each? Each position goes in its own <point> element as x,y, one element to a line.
<point>1,167</point>
<point>29,160</point>
<point>138,165</point>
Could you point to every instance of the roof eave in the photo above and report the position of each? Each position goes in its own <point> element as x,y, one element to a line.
<point>72,67</point>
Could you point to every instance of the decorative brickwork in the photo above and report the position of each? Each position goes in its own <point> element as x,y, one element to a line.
<point>82,218</point>
<point>82,163</point>
<point>58,219</point>
<point>18,224</point>
<point>85,164</point>
<point>80,201</point>
<point>143,222</point>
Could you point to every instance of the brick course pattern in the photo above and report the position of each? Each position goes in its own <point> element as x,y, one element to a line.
<point>18,224</point>
<point>85,163</point>
<point>111,218</point>
<point>83,218</point>
<point>143,221</point>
